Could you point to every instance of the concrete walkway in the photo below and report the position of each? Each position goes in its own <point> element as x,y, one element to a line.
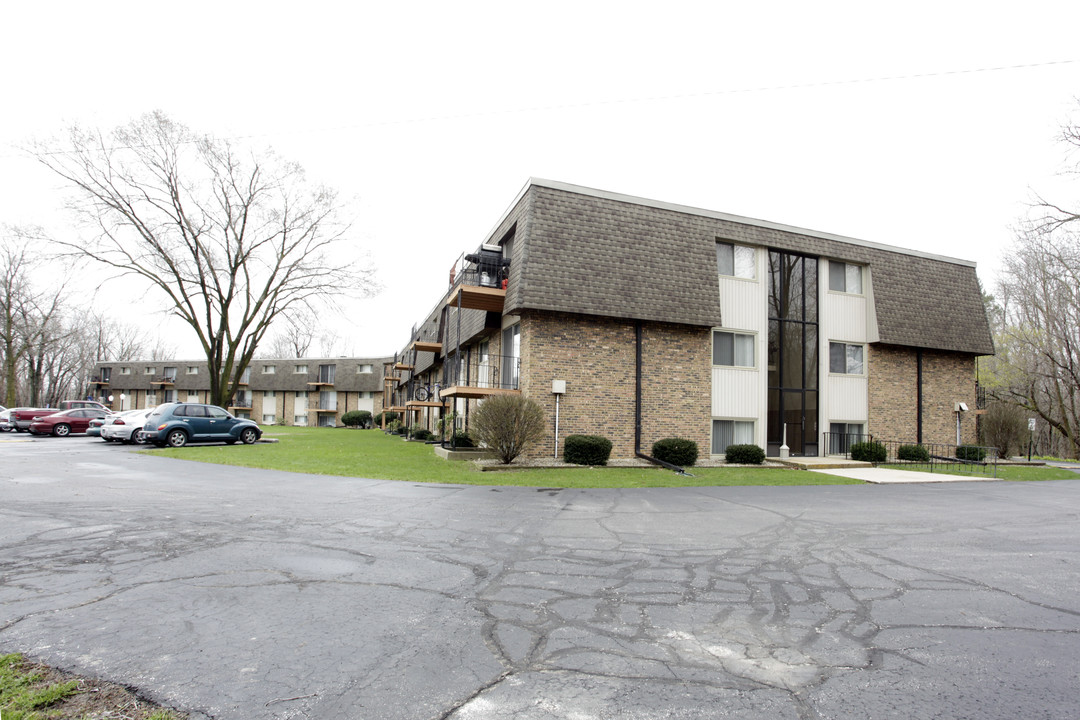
<point>880,476</point>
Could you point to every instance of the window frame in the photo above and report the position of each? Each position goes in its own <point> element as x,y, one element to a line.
<point>269,369</point>
<point>742,333</point>
<point>846,345</point>
<point>300,369</point>
<point>752,422</point>
<point>846,265</point>
<point>734,261</point>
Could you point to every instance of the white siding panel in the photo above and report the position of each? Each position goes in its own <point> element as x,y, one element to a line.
<point>736,393</point>
<point>846,400</point>
<point>741,304</point>
<point>844,318</point>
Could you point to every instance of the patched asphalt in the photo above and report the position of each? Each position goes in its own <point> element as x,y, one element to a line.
<point>234,593</point>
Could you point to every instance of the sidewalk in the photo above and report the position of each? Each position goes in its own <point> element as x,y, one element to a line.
<point>880,476</point>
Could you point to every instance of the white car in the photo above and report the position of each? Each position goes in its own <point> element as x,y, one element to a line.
<point>5,423</point>
<point>125,427</point>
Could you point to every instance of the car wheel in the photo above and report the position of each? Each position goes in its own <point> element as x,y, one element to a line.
<point>138,437</point>
<point>61,430</point>
<point>176,438</point>
<point>248,436</point>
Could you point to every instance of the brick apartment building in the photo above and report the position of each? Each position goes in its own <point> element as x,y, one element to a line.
<point>646,320</point>
<point>307,391</point>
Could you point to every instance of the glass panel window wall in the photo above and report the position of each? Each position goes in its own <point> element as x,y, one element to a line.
<point>793,354</point>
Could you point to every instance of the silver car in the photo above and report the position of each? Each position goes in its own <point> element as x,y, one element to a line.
<point>5,423</point>
<point>125,427</point>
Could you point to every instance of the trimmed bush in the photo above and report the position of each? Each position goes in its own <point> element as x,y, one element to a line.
<point>356,418</point>
<point>422,434</point>
<point>508,425</point>
<point>868,452</point>
<point>462,440</point>
<point>971,453</point>
<point>393,426</point>
<point>913,453</point>
<point>745,454</point>
<point>586,449</point>
<point>677,451</point>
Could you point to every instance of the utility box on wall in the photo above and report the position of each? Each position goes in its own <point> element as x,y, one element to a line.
<point>558,387</point>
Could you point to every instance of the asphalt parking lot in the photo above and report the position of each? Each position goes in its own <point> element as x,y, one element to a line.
<point>234,593</point>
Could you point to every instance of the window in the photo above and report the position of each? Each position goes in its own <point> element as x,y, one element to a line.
<point>511,356</point>
<point>125,371</point>
<point>732,349</point>
<point>364,369</point>
<point>268,418</point>
<point>326,374</point>
<point>299,420</point>
<point>170,374</point>
<point>269,369</point>
<point>245,377</point>
<point>168,396</point>
<point>845,358</point>
<point>845,277</point>
<point>268,394</point>
<point>842,435</point>
<point>192,396</point>
<point>735,260</point>
<point>149,371</point>
<point>367,395</point>
<point>300,369</point>
<point>151,400</point>
<point>327,421</point>
<point>731,432</point>
<point>106,374</point>
<point>192,370</point>
<point>245,414</point>
<point>301,394</point>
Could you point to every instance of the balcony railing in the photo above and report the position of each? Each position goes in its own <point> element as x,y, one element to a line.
<point>240,401</point>
<point>492,373</point>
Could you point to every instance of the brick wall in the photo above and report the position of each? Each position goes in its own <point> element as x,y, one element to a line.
<point>596,358</point>
<point>948,378</point>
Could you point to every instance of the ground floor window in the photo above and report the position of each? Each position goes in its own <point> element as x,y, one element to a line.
<point>269,418</point>
<point>327,421</point>
<point>192,397</point>
<point>299,419</point>
<point>246,415</point>
<point>731,432</point>
<point>842,435</point>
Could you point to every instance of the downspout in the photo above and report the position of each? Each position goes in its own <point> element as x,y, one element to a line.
<point>637,406</point>
<point>918,395</point>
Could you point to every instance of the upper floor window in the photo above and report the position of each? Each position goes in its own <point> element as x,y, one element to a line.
<point>845,358</point>
<point>192,369</point>
<point>170,373</point>
<point>364,369</point>
<point>149,371</point>
<point>735,260</point>
<point>845,277</point>
<point>300,369</point>
<point>125,371</point>
<point>326,373</point>
<point>245,377</point>
<point>269,369</point>
<point>733,349</point>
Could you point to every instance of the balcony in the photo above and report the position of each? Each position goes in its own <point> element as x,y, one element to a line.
<point>431,347</point>
<point>478,281</point>
<point>163,380</point>
<point>323,407</point>
<point>240,402</point>
<point>475,376</point>
<point>103,380</point>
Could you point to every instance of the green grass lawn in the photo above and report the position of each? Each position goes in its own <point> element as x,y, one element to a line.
<point>1004,472</point>
<point>372,454</point>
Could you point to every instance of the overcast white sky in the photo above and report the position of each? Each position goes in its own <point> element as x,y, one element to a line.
<point>923,124</point>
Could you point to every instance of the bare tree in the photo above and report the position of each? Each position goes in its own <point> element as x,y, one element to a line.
<point>229,239</point>
<point>296,331</point>
<point>27,315</point>
<point>1041,285</point>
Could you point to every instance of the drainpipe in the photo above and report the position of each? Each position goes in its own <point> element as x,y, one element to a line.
<point>918,395</point>
<point>637,406</point>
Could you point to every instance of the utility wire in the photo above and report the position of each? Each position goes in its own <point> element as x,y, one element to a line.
<point>626,101</point>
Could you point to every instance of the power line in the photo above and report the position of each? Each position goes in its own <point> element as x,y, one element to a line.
<point>649,99</point>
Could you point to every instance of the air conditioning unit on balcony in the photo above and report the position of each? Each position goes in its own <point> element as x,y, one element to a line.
<point>491,267</point>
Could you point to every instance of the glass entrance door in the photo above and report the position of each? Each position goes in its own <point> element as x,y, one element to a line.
<point>793,354</point>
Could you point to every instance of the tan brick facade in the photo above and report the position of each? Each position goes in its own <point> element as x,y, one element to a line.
<point>596,357</point>
<point>947,378</point>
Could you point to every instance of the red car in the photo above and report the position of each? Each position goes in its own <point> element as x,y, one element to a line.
<point>64,423</point>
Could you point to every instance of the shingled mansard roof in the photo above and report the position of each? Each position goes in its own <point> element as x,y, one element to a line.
<point>580,250</point>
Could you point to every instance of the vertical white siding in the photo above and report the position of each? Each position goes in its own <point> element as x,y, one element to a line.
<point>847,400</point>
<point>736,393</point>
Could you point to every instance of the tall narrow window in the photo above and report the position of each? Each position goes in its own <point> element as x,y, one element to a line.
<point>735,260</point>
<point>511,356</point>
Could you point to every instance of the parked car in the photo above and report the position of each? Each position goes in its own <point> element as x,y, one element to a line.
<point>94,428</point>
<point>22,417</point>
<point>125,427</point>
<point>177,424</point>
<point>65,422</point>
<point>5,422</point>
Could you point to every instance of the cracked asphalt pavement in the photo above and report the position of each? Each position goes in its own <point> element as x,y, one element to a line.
<point>234,593</point>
